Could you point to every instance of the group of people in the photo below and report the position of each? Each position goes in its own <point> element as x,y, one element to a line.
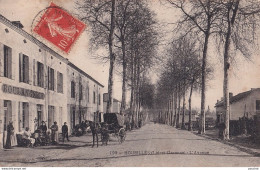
<point>41,134</point>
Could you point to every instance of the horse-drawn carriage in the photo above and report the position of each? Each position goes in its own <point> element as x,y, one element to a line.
<point>115,125</point>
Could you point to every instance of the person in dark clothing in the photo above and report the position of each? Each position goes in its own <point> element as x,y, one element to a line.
<point>65,132</point>
<point>94,131</point>
<point>10,131</point>
<point>43,127</point>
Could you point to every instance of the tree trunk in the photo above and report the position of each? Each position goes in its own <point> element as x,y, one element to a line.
<point>190,112</point>
<point>123,104</point>
<point>132,88</point>
<point>112,58</point>
<point>203,85</point>
<point>183,108</point>
<point>175,107</point>
<point>231,22</point>
<point>179,107</point>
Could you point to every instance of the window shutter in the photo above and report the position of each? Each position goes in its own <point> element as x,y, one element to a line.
<point>1,60</point>
<point>54,80</point>
<point>20,67</point>
<point>48,80</point>
<point>42,74</point>
<point>13,63</point>
<point>10,66</point>
<point>61,82</point>
<point>34,73</point>
<point>30,69</point>
<point>45,76</point>
<point>26,69</point>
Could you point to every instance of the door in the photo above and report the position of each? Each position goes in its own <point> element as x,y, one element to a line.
<point>7,113</point>
<point>25,115</point>
<point>73,116</point>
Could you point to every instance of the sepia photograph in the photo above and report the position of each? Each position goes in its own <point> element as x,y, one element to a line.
<point>129,83</point>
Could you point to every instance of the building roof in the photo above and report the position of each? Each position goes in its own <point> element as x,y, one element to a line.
<point>237,97</point>
<point>84,73</point>
<point>17,26</point>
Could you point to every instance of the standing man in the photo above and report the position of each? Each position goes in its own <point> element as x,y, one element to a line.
<point>10,131</point>
<point>55,133</point>
<point>65,132</point>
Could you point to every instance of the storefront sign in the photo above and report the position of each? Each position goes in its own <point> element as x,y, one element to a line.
<point>22,92</point>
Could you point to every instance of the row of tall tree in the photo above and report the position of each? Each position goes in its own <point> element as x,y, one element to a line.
<point>181,72</point>
<point>230,24</point>
<point>126,29</point>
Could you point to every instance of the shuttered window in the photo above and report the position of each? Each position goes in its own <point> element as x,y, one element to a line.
<point>24,68</point>
<point>59,82</point>
<point>72,89</point>
<point>7,62</point>
<point>40,74</point>
<point>80,91</point>
<point>51,112</point>
<point>99,102</point>
<point>94,97</point>
<point>50,78</point>
<point>87,97</point>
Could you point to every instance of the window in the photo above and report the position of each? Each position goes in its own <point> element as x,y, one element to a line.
<point>99,99</point>
<point>40,74</point>
<point>94,97</point>
<point>59,82</point>
<point>80,91</point>
<point>51,78</point>
<point>87,98</point>
<point>24,68</point>
<point>51,111</point>
<point>257,104</point>
<point>7,62</point>
<point>72,89</point>
<point>7,112</point>
<point>39,114</point>
<point>25,115</point>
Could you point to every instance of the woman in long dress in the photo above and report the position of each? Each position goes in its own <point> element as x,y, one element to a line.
<point>55,133</point>
<point>10,131</point>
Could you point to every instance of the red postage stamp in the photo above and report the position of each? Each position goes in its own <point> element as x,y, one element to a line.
<point>59,27</point>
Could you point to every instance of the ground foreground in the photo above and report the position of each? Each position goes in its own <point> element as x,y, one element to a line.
<point>152,145</point>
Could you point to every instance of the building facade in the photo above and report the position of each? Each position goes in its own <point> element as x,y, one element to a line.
<point>116,104</point>
<point>35,84</point>
<point>243,104</point>
<point>84,97</point>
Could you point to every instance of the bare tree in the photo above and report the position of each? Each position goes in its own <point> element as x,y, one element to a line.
<point>237,31</point>
<point>198,17</point>
<point>101,17</point>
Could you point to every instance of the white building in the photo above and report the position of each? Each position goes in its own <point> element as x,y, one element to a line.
<point>243,104</point>
<point>35,84</point>
<point>84,96</point>
<point>116,104</point>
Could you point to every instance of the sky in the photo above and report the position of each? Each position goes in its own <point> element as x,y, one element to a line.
<point>244,74</point>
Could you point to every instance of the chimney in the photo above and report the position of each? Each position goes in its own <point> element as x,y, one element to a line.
<point>217,101</point>
<point>230,95</point>
<point>18,24</point>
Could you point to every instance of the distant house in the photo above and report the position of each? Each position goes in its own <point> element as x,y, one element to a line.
<point>116,104</point>
<point>243,104</point>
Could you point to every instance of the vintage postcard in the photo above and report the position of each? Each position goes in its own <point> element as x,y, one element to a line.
<point>129,83</point>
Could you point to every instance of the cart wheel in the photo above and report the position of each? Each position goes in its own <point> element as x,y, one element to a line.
<point>121,135</point>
